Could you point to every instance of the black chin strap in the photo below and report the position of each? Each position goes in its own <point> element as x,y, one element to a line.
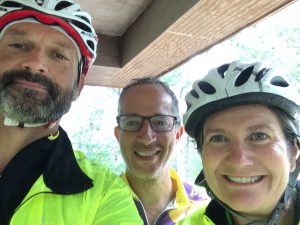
<point>252,220</point>
<point>297,205</point>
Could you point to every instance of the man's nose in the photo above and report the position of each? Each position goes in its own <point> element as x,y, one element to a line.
<point>146,134</point>
<point>35,62</point>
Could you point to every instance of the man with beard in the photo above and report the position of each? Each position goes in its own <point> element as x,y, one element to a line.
<point>148,129</point>
<point>46,49</point>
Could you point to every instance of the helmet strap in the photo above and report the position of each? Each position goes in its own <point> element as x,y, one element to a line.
<point>272,220</point>
<point>13,123</point>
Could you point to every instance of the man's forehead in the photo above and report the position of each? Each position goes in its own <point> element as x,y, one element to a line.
<point>25,29</point>
<point>149,88</point>
<point>30,28</point>
<point>147,96</point>
<point>149,92</point>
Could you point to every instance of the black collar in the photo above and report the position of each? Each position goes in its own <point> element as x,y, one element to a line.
<point>216,213</point>
<point>54,159</point>
<point>62,173</point>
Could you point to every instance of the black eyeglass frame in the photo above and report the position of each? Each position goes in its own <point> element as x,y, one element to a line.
<point>175,121</point>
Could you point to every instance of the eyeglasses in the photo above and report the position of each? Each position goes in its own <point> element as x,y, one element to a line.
<point>159,123</point>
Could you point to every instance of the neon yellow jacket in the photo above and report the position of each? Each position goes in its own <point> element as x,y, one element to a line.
<point>108,202</point>
<point>197,218</point>
<point>200,217</point>
<point>187,200</point>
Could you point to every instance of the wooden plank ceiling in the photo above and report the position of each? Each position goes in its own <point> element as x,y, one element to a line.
<point>151,37</point>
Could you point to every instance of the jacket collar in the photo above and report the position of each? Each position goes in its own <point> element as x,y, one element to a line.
<point>62,173</point>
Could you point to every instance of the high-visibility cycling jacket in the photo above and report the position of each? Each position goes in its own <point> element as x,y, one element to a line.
<point>214,214</point>
<point>88,194</point>
<point>187,200</point>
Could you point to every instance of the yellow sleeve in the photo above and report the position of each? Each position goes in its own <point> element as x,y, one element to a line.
<point>116,206</point>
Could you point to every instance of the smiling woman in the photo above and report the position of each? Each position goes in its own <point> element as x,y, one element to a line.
<point>244,150</point>
<point>244,120</point>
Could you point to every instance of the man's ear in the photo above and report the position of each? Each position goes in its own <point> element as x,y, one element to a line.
<point>117,132</point>
<point>179,132</point>
<point>80,86</point>
<point>81,83</point>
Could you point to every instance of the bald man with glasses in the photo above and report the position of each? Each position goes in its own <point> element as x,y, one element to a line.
<point>148,129</point>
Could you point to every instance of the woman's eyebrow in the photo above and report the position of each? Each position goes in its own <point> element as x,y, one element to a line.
<point>262,125</point>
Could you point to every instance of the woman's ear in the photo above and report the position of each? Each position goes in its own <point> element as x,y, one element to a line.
<point>294,155</point>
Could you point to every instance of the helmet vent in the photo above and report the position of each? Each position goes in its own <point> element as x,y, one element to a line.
<point>62,5</point>
<point>206,87</point>
<point>244,76</point>
<point>279,81</point>
<point>91,44</point>
<point>222,69</point>
<point>11,4</point>
<point>82,26</point>
<point>261,74</point>
<point>194,93</point>
<point>84,18</point>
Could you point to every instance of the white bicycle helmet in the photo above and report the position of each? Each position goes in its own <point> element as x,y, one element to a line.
<point>62,13</point>
<point>237,84</point>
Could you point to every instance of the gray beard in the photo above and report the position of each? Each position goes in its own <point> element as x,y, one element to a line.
<point>31,106</point>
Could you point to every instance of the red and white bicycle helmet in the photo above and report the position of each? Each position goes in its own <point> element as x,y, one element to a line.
<point>57,13</point>
<point>237,84</point>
